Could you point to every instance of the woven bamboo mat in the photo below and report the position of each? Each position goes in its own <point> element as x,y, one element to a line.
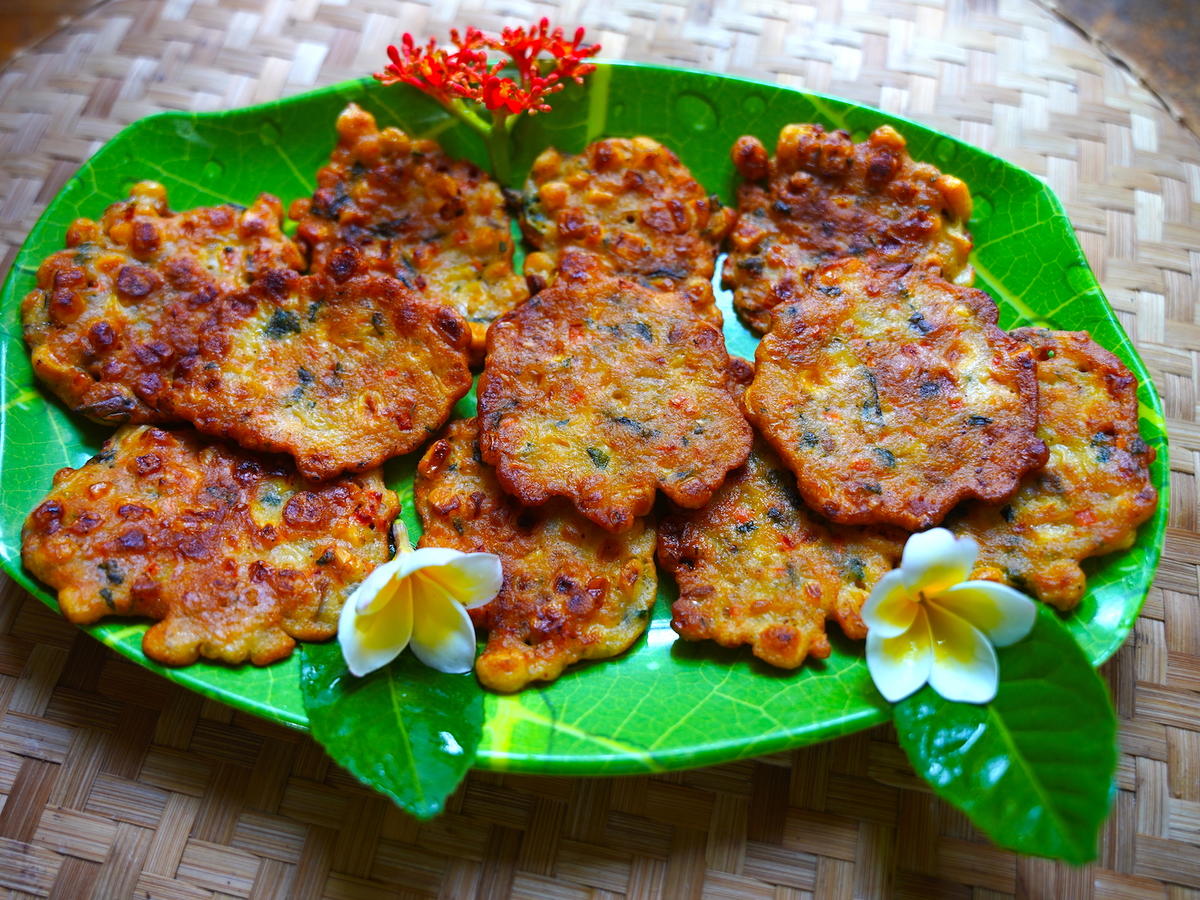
<point>119,784</point>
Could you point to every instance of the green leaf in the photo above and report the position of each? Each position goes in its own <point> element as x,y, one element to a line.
<point>663,705</point>
<point>405,730</point>
<point>1034,768</point>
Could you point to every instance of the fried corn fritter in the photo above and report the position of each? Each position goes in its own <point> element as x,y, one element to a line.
<point>822,198</point>
<point>119,300</point>
<point>438,225</point>
<point>755,566</point>
<point>572,591</point>
<point>233,555</point>
<point>604,391</point>
<point>341,376</point>
<point>894,396</point>
<point>1095,489</point>
<point>631,205</point>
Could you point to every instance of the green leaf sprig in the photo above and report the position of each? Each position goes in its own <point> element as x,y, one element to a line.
<point>405,730</point>
<point>1033,768</point>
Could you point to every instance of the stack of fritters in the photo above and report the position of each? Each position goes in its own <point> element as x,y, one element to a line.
<point>887,398</point>
<point>571,591</point>
<point>435,223</point>
<point>155,317</point>
<point>1094,490</point>
<point>891,396</point>
<point>755,566</point>
<point>758,566</point>
<point>204,316</point>
<point>234,555</point>
<point>823,197</point>
<point>630,206</point>
<point>600,391</point>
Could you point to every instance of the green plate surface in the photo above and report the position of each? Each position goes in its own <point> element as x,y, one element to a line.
<point>664,704</point>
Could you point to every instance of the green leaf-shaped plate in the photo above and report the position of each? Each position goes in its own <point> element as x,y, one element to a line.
<point>664,704</point>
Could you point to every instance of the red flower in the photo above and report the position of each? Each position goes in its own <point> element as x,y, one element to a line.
<point>437,72</point>
<point>465,73</point>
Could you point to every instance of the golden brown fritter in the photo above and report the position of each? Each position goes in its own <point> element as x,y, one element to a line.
<point>822,198</point>
<point>632,206</point>
<point>1095,488</point>
<point>437,224</point>
<point>342,376</point>
<point>604,391</point>
<point>894,396</point>
<point>117,302</point>
<point>571,591</point>
<point>756,566</point>
<point>233,555</point>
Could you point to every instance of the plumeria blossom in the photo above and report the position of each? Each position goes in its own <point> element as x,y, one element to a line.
<point>927,622</point>
<point>420,598</point>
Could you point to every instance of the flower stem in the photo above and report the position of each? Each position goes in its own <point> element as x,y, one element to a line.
<point>469,117</point>
<point>496,133</point>
<point>500,147</point>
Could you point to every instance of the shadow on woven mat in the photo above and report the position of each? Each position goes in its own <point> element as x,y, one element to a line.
<point>24,24</point>
<point>1155,38</point>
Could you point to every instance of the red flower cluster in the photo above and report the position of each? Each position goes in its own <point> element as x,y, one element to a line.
<point>465,72</point>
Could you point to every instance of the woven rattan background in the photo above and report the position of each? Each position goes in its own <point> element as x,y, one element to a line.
<point>119,784</point>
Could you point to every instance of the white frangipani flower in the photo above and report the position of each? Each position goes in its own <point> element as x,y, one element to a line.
<point>420,598</point>
<point>928,623</point>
